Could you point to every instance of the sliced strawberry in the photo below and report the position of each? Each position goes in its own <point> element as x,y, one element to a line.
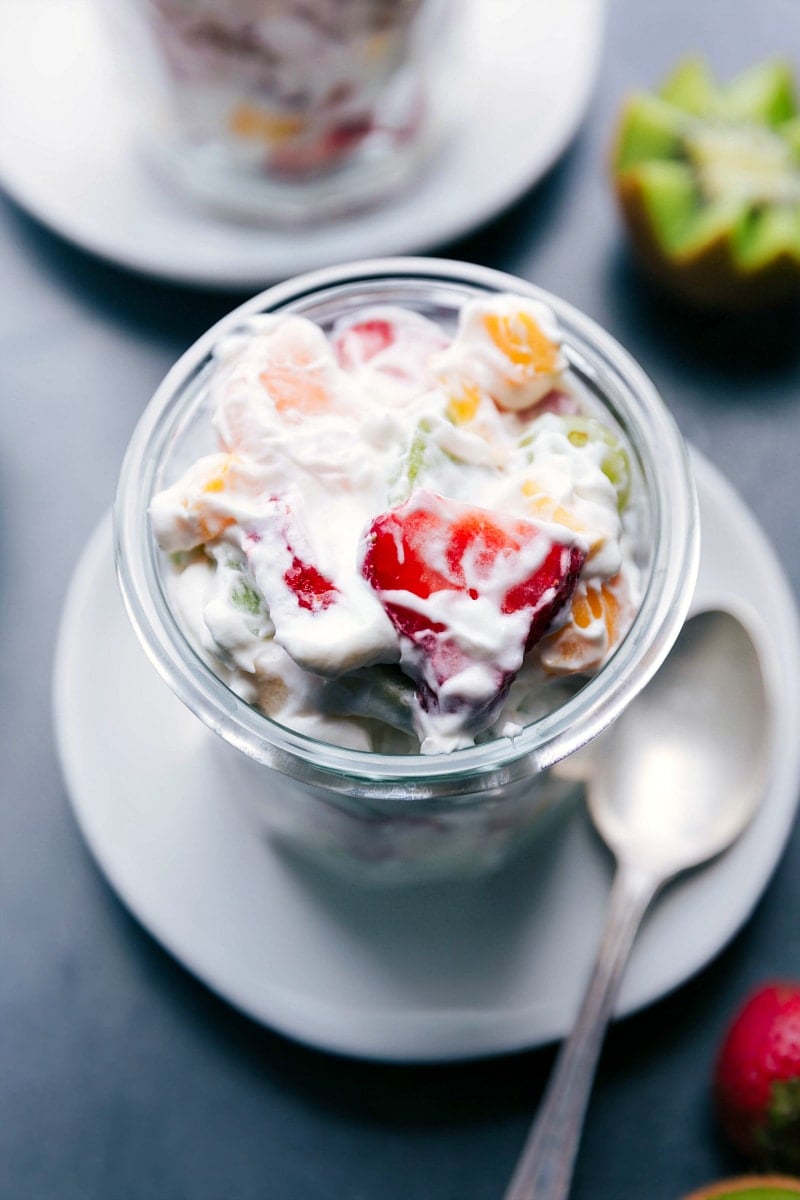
<point>312,589</point>
<point>430,558</point>
<point>393,341</point>
<point>324,618</point>
<point>308,157</point>
<point>357,344</point>
<point>280,557</point>
<point>348,135</point>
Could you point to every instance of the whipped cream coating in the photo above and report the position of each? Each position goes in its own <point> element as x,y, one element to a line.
<point>403,537</point>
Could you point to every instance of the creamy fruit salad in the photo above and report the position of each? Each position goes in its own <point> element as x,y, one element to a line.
<point>291,88</point>
<point>404,536</point>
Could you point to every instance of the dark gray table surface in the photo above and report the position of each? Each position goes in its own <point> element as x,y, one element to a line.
<point>120,1075</point>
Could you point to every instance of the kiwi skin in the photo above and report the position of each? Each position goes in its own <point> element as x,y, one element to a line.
<point>706,273</point>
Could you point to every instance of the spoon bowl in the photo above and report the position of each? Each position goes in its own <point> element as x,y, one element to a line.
<point>671,785</point>
<point>680,775</point>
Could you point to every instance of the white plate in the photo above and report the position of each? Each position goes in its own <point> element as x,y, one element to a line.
<point>430,973</point>
<point>67,155</point>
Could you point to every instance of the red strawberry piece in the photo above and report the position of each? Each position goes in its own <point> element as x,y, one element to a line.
<point>301,579</point>
<point>356,344</point>
<point>348,134</point>
<point>757,1077</point>
<point>334,145</point>
<point>393,343</point>
<point>324,616</point>
<point>435,549</point>
<point>312,589</point>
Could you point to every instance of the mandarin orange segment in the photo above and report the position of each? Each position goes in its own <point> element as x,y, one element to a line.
<point>464,404</point>
<point>545,508</point>
<point>587,608</point>
<point>294,377</point>
<point>612,607</point>
<point>210,525</point>
<point>203,505</point>
<point>595,604</point>
<point>207,521</point>
<point>290,392</point>
<point>570,649</point>
<point>522,341</point>
<point>218,481</point>
<point>248,121</point>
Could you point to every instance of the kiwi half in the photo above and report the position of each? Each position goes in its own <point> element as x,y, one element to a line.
<point>750,1187</point>
<point>708,180</point>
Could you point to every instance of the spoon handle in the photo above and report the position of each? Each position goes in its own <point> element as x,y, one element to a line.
<point>544,1170</point>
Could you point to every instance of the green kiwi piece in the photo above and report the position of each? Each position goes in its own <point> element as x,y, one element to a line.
<point>584,431</point>
<point>615,464</point>
<point>690,88</point>
<point>790,132</point>
<point>763,94</point>
<point>708,181</point>
<point>420,455</point>
<point>651,130</point>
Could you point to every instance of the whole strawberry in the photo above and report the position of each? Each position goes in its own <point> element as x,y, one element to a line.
<point>757,1077</point>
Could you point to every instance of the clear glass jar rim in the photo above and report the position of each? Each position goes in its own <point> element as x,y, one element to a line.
<point>545,741</point>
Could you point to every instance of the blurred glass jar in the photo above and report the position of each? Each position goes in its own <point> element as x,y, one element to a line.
<point>284,110</point>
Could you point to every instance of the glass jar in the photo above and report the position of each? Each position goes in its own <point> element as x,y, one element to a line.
<point>401,817</point>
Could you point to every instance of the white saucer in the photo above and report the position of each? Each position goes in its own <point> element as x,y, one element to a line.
<point>432,973</point>
<point>67,156</point>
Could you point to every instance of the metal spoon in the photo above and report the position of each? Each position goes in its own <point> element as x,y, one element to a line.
<point>674,782</point>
